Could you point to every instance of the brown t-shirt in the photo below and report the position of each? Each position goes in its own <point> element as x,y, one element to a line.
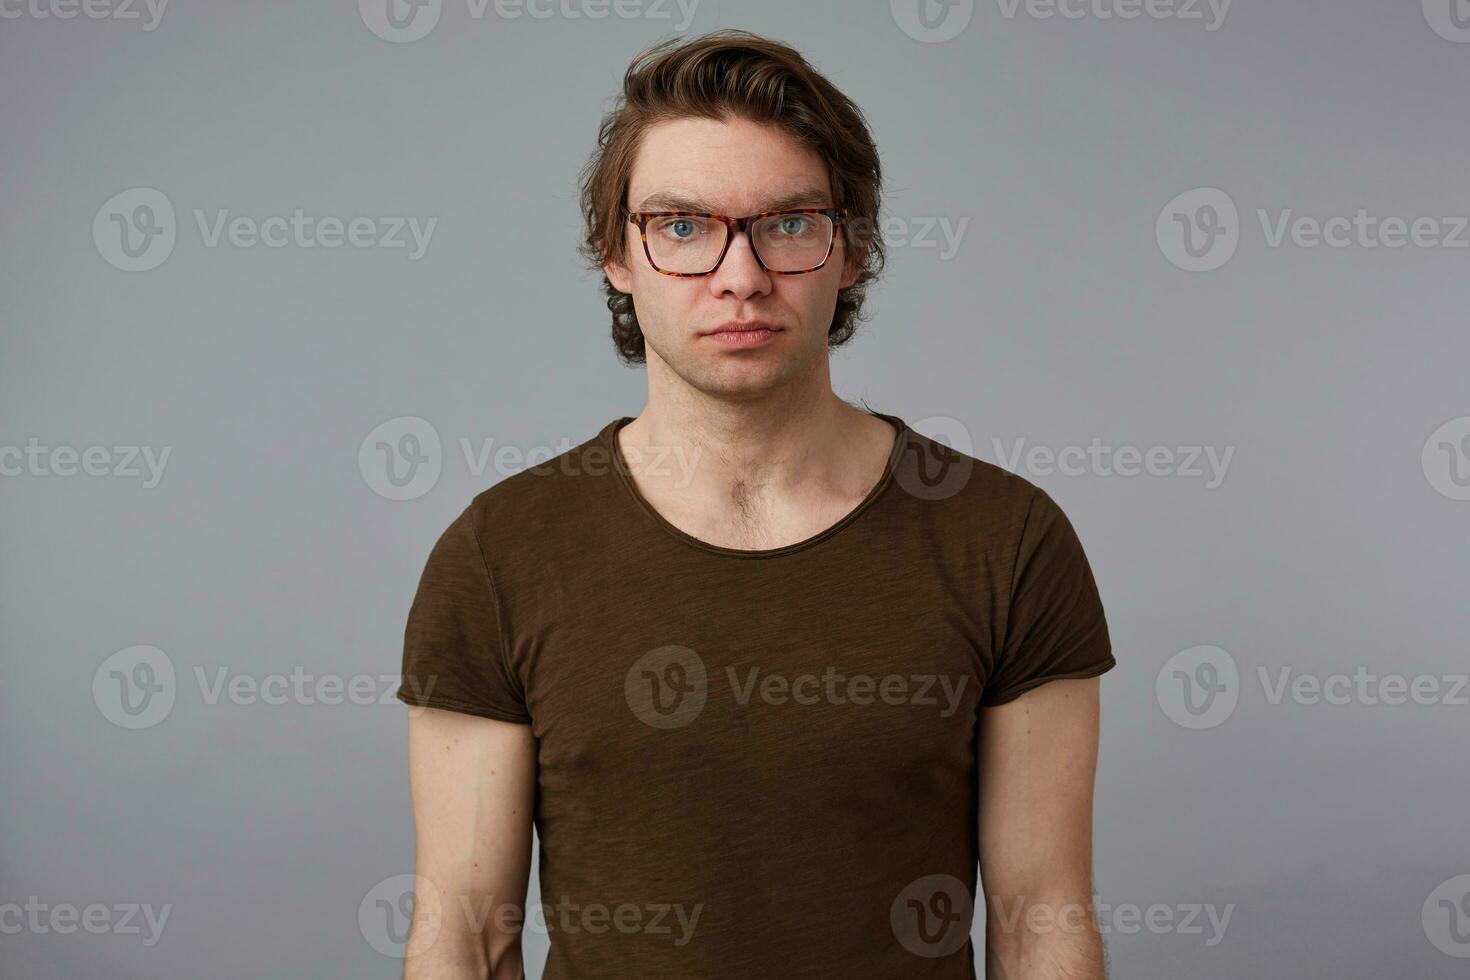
<point>754,764</point>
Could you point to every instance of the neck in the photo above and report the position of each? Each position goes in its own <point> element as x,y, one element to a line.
<point>796,441</point>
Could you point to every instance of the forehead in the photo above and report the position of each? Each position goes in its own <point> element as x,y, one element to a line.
<point>731,166</point>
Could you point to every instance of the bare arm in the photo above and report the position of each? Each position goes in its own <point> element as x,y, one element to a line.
<point>1038,760</point>
<point>473,782</point>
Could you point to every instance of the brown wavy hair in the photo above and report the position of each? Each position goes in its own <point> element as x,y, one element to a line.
<point>719,75</point>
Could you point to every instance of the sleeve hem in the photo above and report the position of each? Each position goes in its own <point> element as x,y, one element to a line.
<point>464,707</point>
<point>987,700</point>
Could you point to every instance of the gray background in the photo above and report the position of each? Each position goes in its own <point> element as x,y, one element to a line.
<point>1325,829</point>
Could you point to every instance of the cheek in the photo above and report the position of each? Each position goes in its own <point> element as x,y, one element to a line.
<point>663,301</point>
<point>815,294</point>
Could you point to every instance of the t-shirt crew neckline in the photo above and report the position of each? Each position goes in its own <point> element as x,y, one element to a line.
<point>610,445</point>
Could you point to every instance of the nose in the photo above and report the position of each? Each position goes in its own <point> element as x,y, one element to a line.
<point>740,273</point>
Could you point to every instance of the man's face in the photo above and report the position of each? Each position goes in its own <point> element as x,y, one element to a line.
<point>733,167</point>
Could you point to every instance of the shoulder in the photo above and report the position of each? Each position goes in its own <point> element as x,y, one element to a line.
<point>971,510</point>
<point>958,486</point>
<point>547,500</point>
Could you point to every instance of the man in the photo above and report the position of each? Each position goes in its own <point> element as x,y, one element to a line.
<point>771,674</point>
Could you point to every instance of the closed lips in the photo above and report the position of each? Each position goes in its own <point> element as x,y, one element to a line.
<point>745,327</point>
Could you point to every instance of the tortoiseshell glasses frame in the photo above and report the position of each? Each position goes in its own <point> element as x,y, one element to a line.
<point>733,225</point>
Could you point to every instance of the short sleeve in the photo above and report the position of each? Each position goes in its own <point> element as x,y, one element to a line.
<point>1056,627</point>
<point>454,654</point>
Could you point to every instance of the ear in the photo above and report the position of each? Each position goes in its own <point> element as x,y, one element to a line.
<point>618,275</point>
<point>847,250</point>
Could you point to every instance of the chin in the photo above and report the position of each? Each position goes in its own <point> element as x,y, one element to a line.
<point>749,378</point>
<point>707,367</point>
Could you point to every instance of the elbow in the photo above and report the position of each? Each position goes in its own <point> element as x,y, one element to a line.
<point>465,955</point>
<point>503,956</point>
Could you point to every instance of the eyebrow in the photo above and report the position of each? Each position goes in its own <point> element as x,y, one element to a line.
<point>673,201</point>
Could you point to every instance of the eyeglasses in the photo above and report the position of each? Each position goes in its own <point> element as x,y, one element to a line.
<point>693,243</point>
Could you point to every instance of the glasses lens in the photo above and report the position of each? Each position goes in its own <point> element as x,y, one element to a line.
<point>793,242</point>
<point>691,244</point>
<point>685,243</point>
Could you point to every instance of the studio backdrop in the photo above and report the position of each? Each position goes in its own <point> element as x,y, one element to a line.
<point>285,285</point>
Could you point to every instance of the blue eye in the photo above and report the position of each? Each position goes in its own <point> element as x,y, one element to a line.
<point>680,229</point>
